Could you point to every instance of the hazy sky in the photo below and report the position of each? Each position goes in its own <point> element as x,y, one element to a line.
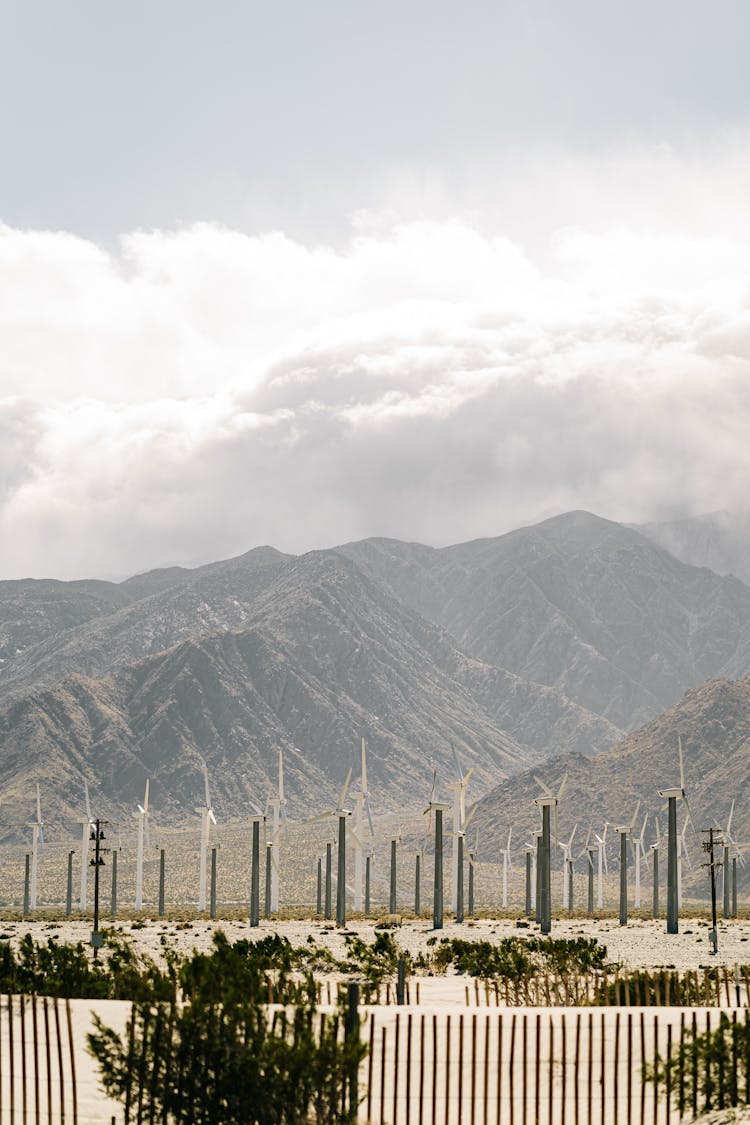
<point>301,273</point>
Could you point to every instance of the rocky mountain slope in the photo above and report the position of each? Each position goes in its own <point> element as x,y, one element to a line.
<point>554,638</point>
<point>579,603</point>
<point>713,722</point>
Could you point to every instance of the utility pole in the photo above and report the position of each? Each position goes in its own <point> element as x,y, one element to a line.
<point>97,835</point>
<point>708,846</point>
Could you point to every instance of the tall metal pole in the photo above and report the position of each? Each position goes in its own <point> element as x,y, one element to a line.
<point>734,886</point>
<point>267,902</point>
<point>27,886</point>
<point>460,880</point>
<point>528,883</point>
<point>623,876</point>
<point>327,913</point>
<point>726,911</point>
<point>255,876</point>
<point>162,874</point>
<point>113,899</point>
<point>69,888</point>
<point>392,899</point>
<point>212,902</point>
<point>319,888</point>
<point>570,886</point>
<point>471,887</point>
<point>417,901</point>
<point>590,903</point>
<point>341,880</point>
<point>672,910</point>
<point>545,882</point>
<point>437,895</point>
<point>708,846</point>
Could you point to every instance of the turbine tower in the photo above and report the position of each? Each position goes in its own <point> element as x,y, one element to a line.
<point>639,854</point>
<point>458,789</point>
<point>602,867</point>
<point>37,842</point>
<point>567,861</point>
<point>208,818</point>
<point>438,808</point>
<point>142,817</point>
<point>340,813</point>
<point>278,806</point>
<point>544,898</point>
<point>673,845</point>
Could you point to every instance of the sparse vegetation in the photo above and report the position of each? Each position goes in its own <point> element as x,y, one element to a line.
<point>516,958</point>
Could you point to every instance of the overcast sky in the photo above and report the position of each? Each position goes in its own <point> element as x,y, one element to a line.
<point>301,273</point>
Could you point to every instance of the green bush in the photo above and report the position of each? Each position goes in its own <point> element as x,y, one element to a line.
<point>709,1070</point>
<point>220,1057</point>
<point>513,958</point>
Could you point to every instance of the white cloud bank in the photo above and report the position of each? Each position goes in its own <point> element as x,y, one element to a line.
<point>203,391</point>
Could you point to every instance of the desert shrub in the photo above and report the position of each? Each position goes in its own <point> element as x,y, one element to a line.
<point>220,1057</point>
<point>374,962</point>
<point>708,1070</point>
<point>514,957</point>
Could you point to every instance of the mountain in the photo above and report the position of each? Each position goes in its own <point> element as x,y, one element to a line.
<point>718,540</point>
<point>556,638</point>
<point>579,603</point>
<point>324,656</point>
<point>713,721</point>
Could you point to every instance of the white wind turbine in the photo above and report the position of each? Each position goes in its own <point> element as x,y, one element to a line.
<point>37,842</point>
<point>87,824</point>
<point>639,854</point>
<point>142,817</point>
<point>458,788</point>
<point>278,807</point>
<point>602,868</point>
<point>507,866</point>
<point>567,862</point>
<point>357,831</point>
<point>207,819</point>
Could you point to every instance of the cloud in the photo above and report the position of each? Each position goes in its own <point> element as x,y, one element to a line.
<point>203,390</point>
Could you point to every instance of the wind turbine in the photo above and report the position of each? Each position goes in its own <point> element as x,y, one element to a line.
<point>550,800</point>
<point>567,864</point>
<point>37,842</point>
<point>357,832</point>
<point>461,843</point>
<point>625,832</point>
<point>142,818</point>
<point>87,824</point>
<point>458,789</point>
<point>673,845</point>
<point>438,808</point>
<point>207,819</point>
<point>278,807</point>
<point>602,867</point>
<point>507,866</point>
<point>340,813</point>
<point>473,857</point>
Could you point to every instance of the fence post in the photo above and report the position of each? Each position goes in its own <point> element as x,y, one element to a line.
<point>351,1032</point>
<point>401,981</point>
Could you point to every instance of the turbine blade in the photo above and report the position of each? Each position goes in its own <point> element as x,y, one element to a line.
<point>682,763</point>
<point>344,788</point>
<point>459,774</point>
<point>88,803</point>
<point>364,768</point>
<point>145,802</point>
<point>729,822</point>
<point>369,816</point>
<point>281,775</point>
<point>546,788</point>
<point>467,821</point>
<point>211,816</point>
<point>561,790</point>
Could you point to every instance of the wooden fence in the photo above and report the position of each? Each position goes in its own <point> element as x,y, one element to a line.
<point>709,988</point>
<point>37,1061</point>
<point>550,1067</point>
